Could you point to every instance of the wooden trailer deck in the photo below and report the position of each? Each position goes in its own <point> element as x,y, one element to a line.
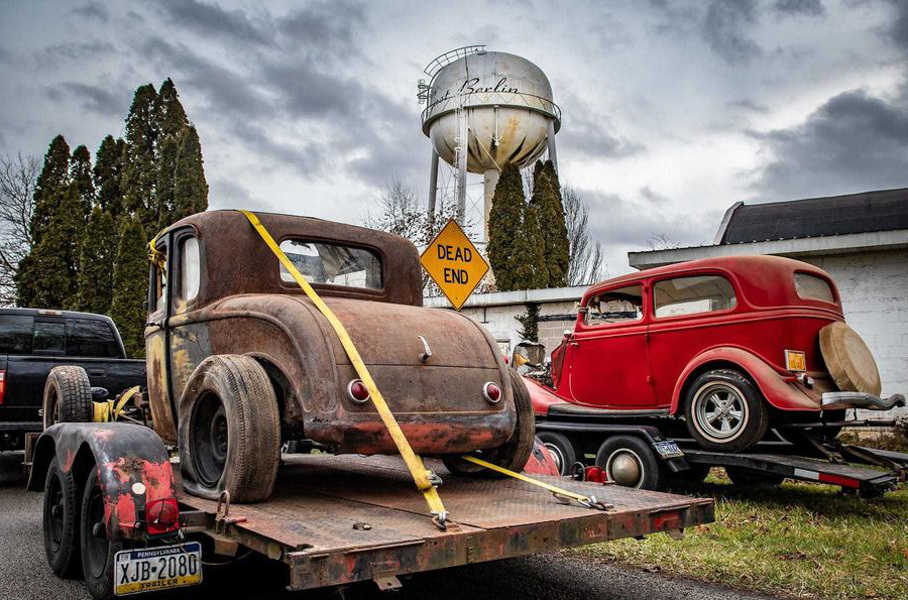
<point>339,519</point>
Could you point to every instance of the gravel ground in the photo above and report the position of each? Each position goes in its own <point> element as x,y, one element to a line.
<point>24,573</point>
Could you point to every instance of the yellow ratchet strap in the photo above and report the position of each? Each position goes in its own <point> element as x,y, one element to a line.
<point>421,475</point>
<point>156,256</point>
<point>108,411</point>
<point>560,493</point>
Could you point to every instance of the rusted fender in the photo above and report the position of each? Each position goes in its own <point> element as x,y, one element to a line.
<point>782,394</point>
<point>123,454</point>
<point>541,461</point>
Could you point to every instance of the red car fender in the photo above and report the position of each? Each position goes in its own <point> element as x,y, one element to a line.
<point>541,397</point>
<point>541,461</point>
<point>781,394</point>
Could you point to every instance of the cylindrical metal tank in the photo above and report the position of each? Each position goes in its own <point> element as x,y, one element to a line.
<point>508,105</point>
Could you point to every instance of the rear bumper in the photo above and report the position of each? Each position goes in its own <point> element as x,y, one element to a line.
<point>840,400</point>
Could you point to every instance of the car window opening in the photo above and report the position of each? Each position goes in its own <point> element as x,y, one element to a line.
<point>333,264</point>
<point>811,287</point>
<point>615,306</point>
<point>693,295</point>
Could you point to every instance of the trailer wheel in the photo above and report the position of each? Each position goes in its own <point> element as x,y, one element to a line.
<point>725,412</point>
<point>230,430</point>
<point>61,518</point>
<point>67,396</point>
<point>744,476</point>
<point>629,461</point>
<point>98,551</point>
<point>562,449</point>
<point>515,453</point>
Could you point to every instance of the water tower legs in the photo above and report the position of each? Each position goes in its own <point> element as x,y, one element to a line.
<point>553,156</point>
<point>489,181</point>
<point>433,185</point>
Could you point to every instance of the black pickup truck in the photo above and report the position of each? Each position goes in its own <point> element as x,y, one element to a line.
<point>34,341</point>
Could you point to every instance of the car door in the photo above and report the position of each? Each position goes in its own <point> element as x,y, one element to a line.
<point>157,350</point>
<point>607,358</point>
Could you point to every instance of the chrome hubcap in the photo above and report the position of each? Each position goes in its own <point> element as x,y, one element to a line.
<point>720,410</point>
<point>625,468</point>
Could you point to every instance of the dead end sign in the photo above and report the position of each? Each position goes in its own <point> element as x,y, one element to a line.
<point>454,263</point>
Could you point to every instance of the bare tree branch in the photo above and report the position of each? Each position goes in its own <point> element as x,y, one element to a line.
<point>17,188</point>
<point>585,260</point>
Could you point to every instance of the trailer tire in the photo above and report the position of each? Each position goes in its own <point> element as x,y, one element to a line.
<point>98,551</point>
<point>513,454</point>
<point>67,396</point>
<point>61,522</point>
<point>230,430</point>
<point>742,404</point>
<point>744,476</point>
<point>630,462</point>
<point>562,448</point>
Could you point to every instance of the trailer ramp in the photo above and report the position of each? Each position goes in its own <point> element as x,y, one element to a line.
<point>340,519</point>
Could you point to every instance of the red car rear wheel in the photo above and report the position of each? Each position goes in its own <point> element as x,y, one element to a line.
<point>725,411</point>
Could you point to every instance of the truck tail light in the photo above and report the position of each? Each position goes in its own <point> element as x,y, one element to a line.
<point>162,516</point>
<point>358,391</point>
<point>491,392</point>
<point>2,386</point>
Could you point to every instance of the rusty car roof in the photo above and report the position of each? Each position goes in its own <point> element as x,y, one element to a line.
<point>234,255</point>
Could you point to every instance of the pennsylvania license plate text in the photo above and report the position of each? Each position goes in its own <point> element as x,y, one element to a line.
<point>160,568</point>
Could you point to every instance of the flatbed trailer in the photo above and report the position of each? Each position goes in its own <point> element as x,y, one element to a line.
<point>868,472</point>
<point>336,520</point>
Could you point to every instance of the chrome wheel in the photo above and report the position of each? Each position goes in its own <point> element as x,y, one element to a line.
<point>625,468</point>
<point>557,456</point>
<point>720,411</point>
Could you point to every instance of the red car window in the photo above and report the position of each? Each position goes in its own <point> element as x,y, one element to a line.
<point>693,295</point>
<point>615,306</point>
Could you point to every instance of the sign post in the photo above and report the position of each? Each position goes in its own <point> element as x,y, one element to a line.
<point>454,264</point>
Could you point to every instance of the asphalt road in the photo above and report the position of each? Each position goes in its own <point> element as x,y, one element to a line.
<point>24,573</point>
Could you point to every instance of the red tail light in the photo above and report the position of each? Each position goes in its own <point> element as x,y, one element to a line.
<point>358,391</point>
<point>491,392</point>
<point>162,516</point>
<point>2,386</point>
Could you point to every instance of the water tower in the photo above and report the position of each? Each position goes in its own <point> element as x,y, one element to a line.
<point>484,110</point>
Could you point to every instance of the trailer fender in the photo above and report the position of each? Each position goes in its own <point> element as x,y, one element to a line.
<point>781,394</point>
<point>132,463</point>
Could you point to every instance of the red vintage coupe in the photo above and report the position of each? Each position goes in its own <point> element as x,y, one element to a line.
<point>732,345</point>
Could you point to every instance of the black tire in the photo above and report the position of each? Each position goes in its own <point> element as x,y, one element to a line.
<point>739,414</point>
<point>61,522</point>
<point>744,476</point>
<point>515,453</point>
<point>562,449</point>
<point>629,461</point>
<point>67,396</point>
<point>230,431</point>
<point>98,551</point>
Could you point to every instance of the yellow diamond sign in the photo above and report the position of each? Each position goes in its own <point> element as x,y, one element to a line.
<point>454,263</point>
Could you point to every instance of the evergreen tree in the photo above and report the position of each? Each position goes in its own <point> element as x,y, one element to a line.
<point>53,178</point>
<point>108,173</point>
<point>140,170</point>
<point>505,223</point>
<point>171,115</point>
<point>169,147</point>
<point>529,323</point>
<point>529,253</point>
<point>96,263</point>
<point>48,277</point>
<point>548,202</point>
<point>80,175</point>
<point>130,286</point>
<point>190,186</point>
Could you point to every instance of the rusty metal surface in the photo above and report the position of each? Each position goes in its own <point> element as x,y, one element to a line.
<point>244,308</point>
<point>123,455</point>
<point>342,519</point>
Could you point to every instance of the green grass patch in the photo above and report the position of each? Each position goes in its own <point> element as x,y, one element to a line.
<point>800,540</point>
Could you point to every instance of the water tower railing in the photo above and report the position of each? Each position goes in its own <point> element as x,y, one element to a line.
<point>502,99</point>
<point>450,56</point>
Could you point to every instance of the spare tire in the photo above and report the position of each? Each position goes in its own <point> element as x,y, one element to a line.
<point>67,396</point>
<point>849,360</point>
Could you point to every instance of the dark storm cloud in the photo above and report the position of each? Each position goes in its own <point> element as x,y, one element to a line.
<point>725,29</point>
<point>324,29</point>
<point>898,28</point>
<point>588,133</point>
<point>93,10</point>
<point>748,105</point>
<point>212,20</point>
<point>227,193</point>
<point>853,142</point>
<point>621,223</point>
<point>648,193</point>
<point>813,8</point>
<point>54,56</point>
<point>93,98</point>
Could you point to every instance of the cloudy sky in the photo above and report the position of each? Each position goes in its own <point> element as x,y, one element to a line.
<point>673,109</point>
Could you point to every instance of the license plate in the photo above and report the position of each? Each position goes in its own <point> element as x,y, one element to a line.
<point>668,449</point>
<point>158,568</point>
<point>795,360</point>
